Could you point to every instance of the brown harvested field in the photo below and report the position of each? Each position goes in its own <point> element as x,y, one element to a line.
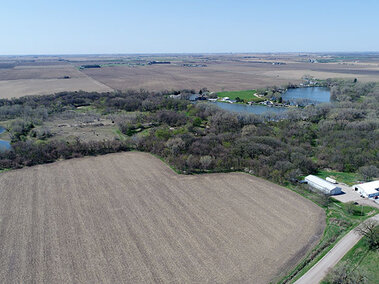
<point>218,72</point>
<point>129,218</point>
<point>39,80</point>
<point>224,76</point>
<point>19,88</point>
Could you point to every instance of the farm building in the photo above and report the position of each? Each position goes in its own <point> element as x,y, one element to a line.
<point>368,189</point>
<point>323,185</point>
<point>197,97</point>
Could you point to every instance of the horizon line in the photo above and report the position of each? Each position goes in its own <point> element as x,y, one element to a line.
<point>189,53</point>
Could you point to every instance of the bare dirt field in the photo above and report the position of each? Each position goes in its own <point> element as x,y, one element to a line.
<point>31,75</point>
<point>228,73</point>
<point>19,88</point>
<point>39,80</point>
<point>129,218</point>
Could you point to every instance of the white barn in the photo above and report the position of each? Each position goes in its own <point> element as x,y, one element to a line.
<point>368,189</point>
<point>323,185</point>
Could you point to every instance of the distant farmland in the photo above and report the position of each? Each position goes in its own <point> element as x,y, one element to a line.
<point>129,218</point>
<point>35,75</point>
<point>41,80</point>
<point>228,73</point>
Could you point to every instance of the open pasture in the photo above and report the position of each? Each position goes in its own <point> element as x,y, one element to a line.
<point>129,218</point>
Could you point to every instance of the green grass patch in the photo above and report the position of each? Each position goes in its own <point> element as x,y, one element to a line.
<point>144,133</point>
<point>119,134</point>
<point>247,95</point>
<point>348,178</point>
<point>361,258</point>
<point>91,108</point>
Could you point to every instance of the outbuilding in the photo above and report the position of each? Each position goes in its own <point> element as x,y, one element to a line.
<point>323,185</point>
<point>368,189</point>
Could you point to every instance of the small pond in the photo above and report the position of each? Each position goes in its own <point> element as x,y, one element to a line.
<point>301,96</point>
<point>4,145</point>
<point>309,94</point>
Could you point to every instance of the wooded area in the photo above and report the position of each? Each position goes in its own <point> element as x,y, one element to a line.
<point>342,135</point>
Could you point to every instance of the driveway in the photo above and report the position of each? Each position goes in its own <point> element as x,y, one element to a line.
<point>350,194</point>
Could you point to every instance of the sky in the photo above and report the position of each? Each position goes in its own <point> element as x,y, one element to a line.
<point>187,26</point>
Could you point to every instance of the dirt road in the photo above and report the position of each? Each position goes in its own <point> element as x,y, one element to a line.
<point>319,271</point>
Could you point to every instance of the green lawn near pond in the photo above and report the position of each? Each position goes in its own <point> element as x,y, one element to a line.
<point>246,95</point>
<point>348,178</point>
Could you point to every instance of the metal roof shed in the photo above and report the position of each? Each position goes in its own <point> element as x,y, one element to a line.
<point>368,189</point>
<point>323,185</point>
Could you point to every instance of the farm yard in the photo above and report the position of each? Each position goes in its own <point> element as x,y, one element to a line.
<point>129,218</point>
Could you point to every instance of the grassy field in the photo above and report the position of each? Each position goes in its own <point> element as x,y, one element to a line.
<point>347,178</point>
<point>247,95</point>
<point>361,258</point>
<point>129,218</point>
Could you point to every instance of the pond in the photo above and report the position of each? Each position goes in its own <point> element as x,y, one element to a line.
<point>301,96</point>
<point>309,94</point>
<point>256,109</point>
<point>4,145</point>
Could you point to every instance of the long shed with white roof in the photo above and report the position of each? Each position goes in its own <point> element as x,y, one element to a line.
<point>323,185</point>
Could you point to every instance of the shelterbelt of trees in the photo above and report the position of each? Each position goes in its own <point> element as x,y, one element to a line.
<point>342,135</point>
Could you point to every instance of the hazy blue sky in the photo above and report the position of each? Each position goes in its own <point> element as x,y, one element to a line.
<point>147,26</point>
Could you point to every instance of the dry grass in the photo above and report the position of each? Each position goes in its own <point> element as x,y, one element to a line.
<point>128,218</point>
<point>69,129</point>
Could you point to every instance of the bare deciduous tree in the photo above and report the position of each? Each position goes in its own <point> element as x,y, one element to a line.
<point>346,275</point>
<point>369,172</point>
<point>206,161</point>
<point>370,230</point>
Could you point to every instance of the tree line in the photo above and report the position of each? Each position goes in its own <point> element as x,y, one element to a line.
<point>193,138</point>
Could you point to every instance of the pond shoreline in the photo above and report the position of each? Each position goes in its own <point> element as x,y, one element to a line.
<point>294,97</point>
<point>4,144</point>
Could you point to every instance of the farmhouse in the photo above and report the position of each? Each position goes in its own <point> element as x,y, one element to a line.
<point>368,189</point>
<point>323,185</point>
<point>197,97</point>
<point>224,99</point>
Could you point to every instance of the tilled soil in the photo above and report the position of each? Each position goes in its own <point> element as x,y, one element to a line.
<point>129,218</point>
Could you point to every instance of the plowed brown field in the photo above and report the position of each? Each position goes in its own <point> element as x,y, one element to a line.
<point>129,218</point>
